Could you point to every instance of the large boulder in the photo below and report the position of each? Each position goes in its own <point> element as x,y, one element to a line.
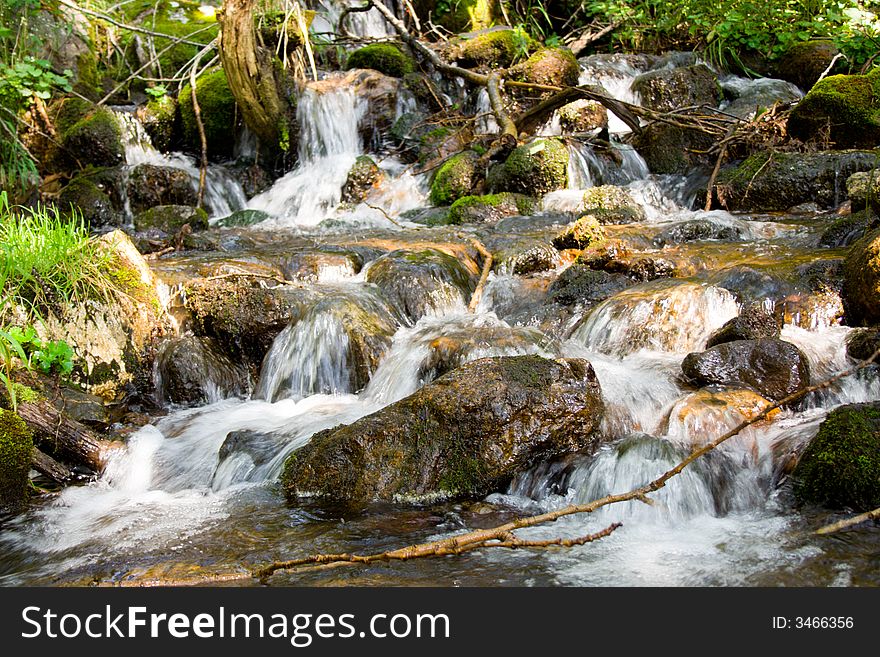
<point>842,108</point>
<point>467,434</point>
<point>492,49</point>
<point>667,89</point>
<point>803,63</point>
<point>418,282</point>
<point>535,168</point>
<point>753,323</point>
<point>383,57</point>
<point>89,135</point>
<point>548,66</point>
<point>840,468</point>
<point>218,114</point>
<point>776,182</point>
<point>455,178</point>
<point>861,281</point>
<point>772,367</point>
<point>194,370</point>
<point>150,185</point>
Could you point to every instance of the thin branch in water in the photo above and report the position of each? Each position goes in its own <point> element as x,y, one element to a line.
<point>484,275</point>
<point>849,522</point>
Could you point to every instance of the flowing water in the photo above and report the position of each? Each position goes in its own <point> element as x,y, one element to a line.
<point>194,495</point>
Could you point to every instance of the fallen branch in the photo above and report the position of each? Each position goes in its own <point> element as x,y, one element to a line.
<point>484,276</point>
<point>849,522</point>
<point>497,536</point>
<point>197,113</point>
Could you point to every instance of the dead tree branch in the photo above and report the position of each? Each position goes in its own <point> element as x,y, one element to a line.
<point>484,275</point>
<point>849,522</point>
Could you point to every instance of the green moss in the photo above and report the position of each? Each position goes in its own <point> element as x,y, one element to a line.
<point>383,57</point>
<point>218,113</point>
<point>579,235</point>
<point>95,139</point>
<point>88,83</point>
<point>549,66</point>
<point>82,195</point>
<point>489,207</point>
<point>171,218</point>
<point>455,178</point>
<point>16,446</point>
<point>846,108</point>
<point>160,120</point>
<point>841,466</point>
<point>497,49</point>
<point>458,15</point>
<point>610,204</point>
<point>535,168</point>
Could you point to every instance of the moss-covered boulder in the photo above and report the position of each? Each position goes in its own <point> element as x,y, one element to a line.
<point>840,468</point>
<point>89,138</point>
<point>803,63</point>
<point>612,205</point>
<point>83,196</point>
<point>171,218</point>
<point>667,89</point>
<point>218,114</point>
<point>536,168</point>
<point>455,178</point>
<point>521,255</point>
<point>161,121</point>
<point>548,66</point>
<point>846,230</point>
<point>490,208</point>
<point>580,234</point>
<point>492,49</point>
<point>861,281</point>
<point>774,368</point>
<point>697,230</point>
<point>418,282</point>
<point>16,446</point>
<point>362,177</point>
<point>467,434</point>
<point>775,182</point>
<point>842,108</point>
<point>582,116</point>
<point>383,57</point>
<point>150,185</point>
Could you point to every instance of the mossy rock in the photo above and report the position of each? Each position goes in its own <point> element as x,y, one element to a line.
<point>94,139</point>
<point>536,168</point>
<point>490,208</point>
<point>383,57</point>
<point>497,48</point>
<point>83,196</point>
<point>840,468</point>
<point>150,185</point>
<point>161,121</point>
<point>580,234</point>
<point>803,63</point>
<point>612,205</point>
<point>666,89</point>
<point>844,231</point>
<point>218,114</point>
<point>669,149</point>
<point>863,190</point>
<point>583,116</point>
<point>845,108</point>
<point>548,66</point>
<point>171,218</point>
<point>179,19</point>
<point>16,446</point>
<point>455,178</point>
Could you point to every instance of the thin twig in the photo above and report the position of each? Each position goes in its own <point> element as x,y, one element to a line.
<point>487,267</point>
<point>849,522</point>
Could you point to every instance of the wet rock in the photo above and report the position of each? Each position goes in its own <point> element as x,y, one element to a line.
<point>379,92</point>
<point>613,256</point>
<point>842,109</point>
<point>490,208</point>
<point>583,116</point>
<point>82,406</point>
<point>455,178</point>
<point>535,168</point>
<point>548,66</point>
<point>417,282</point>
<point>749,284</point>
<point>243,218</point>
<point>464,435</point>
<point>161,122</point>
<point>697,230</point>
<point>581,285</point>
<point>753,96</point>
<point>461,16</point>
<point>89,136</point>
<point>707,413</point>
<point>861,283</point>
<point>580,234</point>
<point>241,315</point>
<point>772,367</point>
<point>171,218</point>
<point>612,205</point>
<point>16,445</point>
<point>83,196</point>
<point>840,468</point>
<point>261,447</point>
<point>863,190</point>
<point>150,185</point>
<point>362,177</point>
<point>803,63</point>
<point>314,265</point>
<point>253,178</point>
<point>383,57</point>
<point>667,89</point>
<point>218,113</point>
<point>521,256</point>
<point>194,370</point>
<point>753,323</point>
<point>816,300</point>
<point>846,230</point>
<point>669,149</point>
<point>861,344</point>
<point>775,182</point>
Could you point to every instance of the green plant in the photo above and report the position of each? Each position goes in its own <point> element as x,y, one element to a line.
<point>156,92</point>
<point>48,357</point>
<point>10,349</point>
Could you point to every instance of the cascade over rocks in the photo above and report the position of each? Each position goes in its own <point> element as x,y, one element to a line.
<point>194,370</point>
<point>463,436</point>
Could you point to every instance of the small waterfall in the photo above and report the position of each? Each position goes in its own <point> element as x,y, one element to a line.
<point>660,316</point>
<point>329,144</point>
<point>368,24</point>
<point>223,194</point>
<point>616,76</point>
<point>582,161</point>
<point>486,123</point>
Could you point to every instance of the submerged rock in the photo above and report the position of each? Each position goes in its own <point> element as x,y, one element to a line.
<point>464,435</point>
<point>581,285</point>
<point>753,323</point>
<point>846,230</point>
<point>194,370</point>
<point>772,367</point>
<point>697,230</point>
<point>840,468</point>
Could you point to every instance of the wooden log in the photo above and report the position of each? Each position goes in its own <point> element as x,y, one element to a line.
<point>63,438</point>
<point>49,467</point>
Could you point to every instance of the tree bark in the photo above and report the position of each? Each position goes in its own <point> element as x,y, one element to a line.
<point>49,467</point>
<point>63,438</point>
<point>252,72</point>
